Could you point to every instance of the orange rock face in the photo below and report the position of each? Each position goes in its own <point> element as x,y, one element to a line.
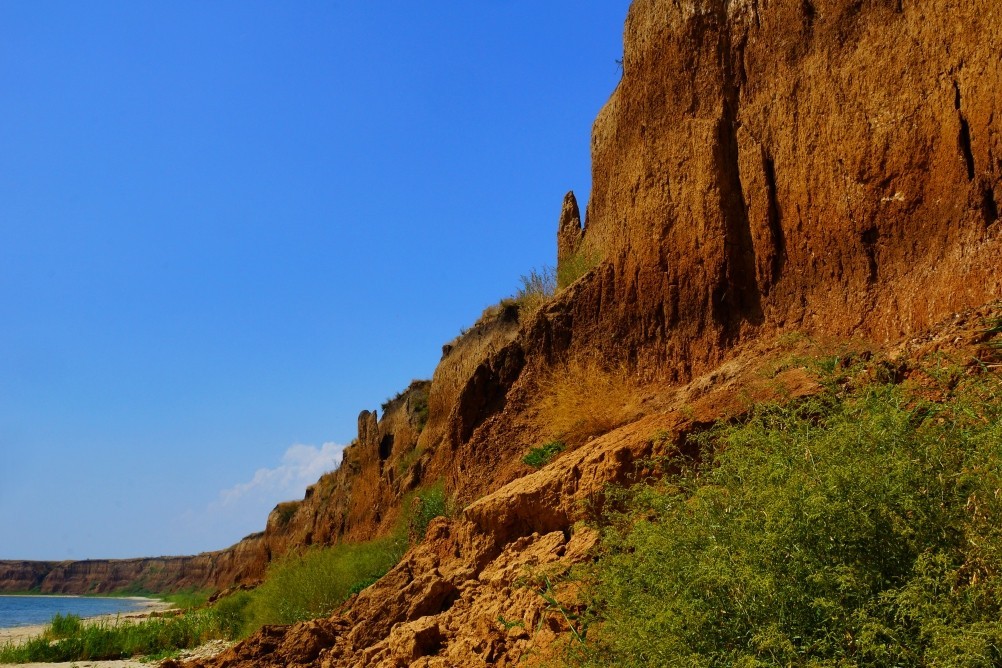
<point>832,166</point>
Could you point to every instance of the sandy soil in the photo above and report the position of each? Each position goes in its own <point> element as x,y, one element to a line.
<point>20,633</point>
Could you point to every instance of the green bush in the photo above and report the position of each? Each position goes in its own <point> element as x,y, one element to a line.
<point>540,456</point>
<point>187,599</point>
<point>859,530</point>
<point>231,614</point>
<point>69,639</point>
<point>426,506</point>
<point>314,583</point>
<point>64,626</point>
<point>576,266</point>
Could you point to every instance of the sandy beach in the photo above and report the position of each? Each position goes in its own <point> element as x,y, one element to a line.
<point>17,634</point>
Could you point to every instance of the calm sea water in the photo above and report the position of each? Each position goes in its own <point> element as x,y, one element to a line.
<point>28,610</point>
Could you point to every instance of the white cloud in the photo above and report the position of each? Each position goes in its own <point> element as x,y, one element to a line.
<point>301,466</point>
<point>244,507</point>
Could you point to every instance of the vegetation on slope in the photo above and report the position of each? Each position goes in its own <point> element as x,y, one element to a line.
<point>860,527</point>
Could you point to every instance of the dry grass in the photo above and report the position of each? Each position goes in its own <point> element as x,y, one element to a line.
<point>583,398</point>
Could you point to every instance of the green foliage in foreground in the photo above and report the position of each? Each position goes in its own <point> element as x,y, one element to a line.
<point>69,639</point>
<point>540,456</point>
<point>187,599</point>
<point>425,506</point>
<point>859,530</point>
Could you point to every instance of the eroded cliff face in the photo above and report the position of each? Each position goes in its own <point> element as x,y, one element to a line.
<point>832,167</point>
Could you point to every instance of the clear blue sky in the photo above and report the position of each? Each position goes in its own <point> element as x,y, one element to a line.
<point>228,227</point>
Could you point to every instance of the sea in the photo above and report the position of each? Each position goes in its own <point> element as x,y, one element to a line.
<point>31,610</point>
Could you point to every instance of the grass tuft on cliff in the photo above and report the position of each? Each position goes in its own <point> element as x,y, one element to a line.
<point>859,527</point>
<point>582,398</point>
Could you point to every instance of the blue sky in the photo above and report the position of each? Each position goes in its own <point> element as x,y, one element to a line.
<point>228,227</point>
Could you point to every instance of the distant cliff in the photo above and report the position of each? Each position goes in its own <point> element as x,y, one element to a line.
<point>242,562</point>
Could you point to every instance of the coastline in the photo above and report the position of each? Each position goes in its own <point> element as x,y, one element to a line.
<point>18,634</point>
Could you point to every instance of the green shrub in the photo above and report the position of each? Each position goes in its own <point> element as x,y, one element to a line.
<point>576,266</point>
<point>314,583</point>
<point>64,626</point>
<point>74,640</point>
<point>187,599</point>
<point>426,506</point>
<point>858,530</point>
<point>231,614</point>
<point>539,456</point>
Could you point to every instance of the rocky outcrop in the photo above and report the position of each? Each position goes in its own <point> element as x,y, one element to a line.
<point>360,498</point>
<point>569,230</point>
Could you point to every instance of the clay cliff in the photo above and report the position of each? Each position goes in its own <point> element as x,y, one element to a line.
<point>826,167</point>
